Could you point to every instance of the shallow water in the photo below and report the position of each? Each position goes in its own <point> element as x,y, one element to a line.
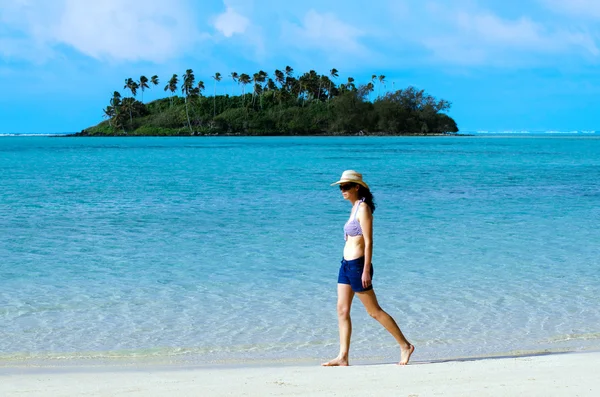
<point>227,249</point>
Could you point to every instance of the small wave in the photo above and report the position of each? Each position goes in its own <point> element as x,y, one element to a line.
<point>526,132</point>
<point>506,132</point>
<point>575,337</point>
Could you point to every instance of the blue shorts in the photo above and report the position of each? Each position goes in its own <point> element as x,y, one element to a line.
<point>351,273</point>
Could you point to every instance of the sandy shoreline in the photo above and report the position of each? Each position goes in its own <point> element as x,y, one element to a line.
<point>573,374</point>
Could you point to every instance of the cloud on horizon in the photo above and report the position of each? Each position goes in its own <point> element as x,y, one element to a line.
<point>324,31</point>
<point>476,36</point>
<point>111,30</point>
<point>385,32</point>
<point>586,9</point>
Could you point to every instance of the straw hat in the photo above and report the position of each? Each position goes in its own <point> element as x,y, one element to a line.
<point>350,176</point>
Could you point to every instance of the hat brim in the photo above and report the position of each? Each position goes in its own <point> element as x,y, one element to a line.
<point>350,181</point>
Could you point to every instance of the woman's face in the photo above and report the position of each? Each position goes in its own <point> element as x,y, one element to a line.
<point>349,190</point>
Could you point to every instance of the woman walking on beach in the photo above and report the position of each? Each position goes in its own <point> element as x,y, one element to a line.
<point>356,272</point>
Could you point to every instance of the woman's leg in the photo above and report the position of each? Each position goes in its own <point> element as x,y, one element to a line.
<point>369,299</point>
<point>345,295</point>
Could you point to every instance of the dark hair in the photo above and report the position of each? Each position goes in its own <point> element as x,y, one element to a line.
<point>369,199</point>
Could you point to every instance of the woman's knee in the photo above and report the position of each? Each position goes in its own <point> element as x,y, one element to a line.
<point>376,313</point>
<point>343,310</point>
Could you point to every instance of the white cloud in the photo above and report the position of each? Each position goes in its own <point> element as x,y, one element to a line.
<point>230,22</point>
<point>580,8</point>
<point>523,33</point>
<point>472,36</point>
<point>235,20</point>
<point>324,31</point>
<point>134,30</point>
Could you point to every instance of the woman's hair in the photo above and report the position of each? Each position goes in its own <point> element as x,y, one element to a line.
<point>366,193</point>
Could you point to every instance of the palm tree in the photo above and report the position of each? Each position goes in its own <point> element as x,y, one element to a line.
<point>143,85</point>
<point>125,104</point>
<point>289,71</point>
<point>262,79</point>
<point>235,78</point>
<point>309,84</point>
<point>172,86</point>
<point>128,106</point>
<point>217,78</point>
<point>324,82</point>
<point>290,81</point>
<point>302,83</point>
<point>279,77</point>
<point>244,80</point>
<point>258,78</point>
<point>373,78</point>
<point>350,84</point>
<point>313,85</point>
<point>381,81</point>
<point>115,104</point>
<point>187,88</point>
<point>333,74</point>
<point>320,78</point>
<point>109,113</point>
<point>132,86</point>
<point>115,101</point>
<point>257,90</point>
<point>154,80</point>
<point>370,88</point>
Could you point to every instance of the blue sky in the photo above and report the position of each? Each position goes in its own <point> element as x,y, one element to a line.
<point>504,65</point>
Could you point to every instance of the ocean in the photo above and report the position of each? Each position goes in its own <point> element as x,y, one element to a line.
<point>225,250</point>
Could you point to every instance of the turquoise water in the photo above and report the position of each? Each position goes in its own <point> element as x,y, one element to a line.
<point>226,250</point>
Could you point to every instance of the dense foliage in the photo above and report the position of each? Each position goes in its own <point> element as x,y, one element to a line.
<point>311,104</point>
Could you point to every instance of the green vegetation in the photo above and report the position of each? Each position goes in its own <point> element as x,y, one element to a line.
<point>281,104</point>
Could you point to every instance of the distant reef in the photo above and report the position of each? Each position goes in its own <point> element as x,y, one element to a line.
<point>280,104</point>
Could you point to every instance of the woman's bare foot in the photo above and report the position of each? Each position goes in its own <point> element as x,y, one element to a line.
<point>405,355</point>
<point>336,362</point>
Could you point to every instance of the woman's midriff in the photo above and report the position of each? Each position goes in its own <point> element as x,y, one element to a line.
<point>354,248</point>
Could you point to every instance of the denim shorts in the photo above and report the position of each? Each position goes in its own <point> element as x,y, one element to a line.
<point>351,273</point>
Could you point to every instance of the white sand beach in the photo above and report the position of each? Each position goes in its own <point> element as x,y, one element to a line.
<point>573,374</point>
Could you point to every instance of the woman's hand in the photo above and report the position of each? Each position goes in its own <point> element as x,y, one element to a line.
<point>366,279</point>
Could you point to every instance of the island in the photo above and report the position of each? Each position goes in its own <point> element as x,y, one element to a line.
<point>277,104</point>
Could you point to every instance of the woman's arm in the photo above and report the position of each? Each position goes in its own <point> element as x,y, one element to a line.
<point>365,218</point>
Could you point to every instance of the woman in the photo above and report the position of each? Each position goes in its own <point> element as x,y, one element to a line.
<point>356,271</point>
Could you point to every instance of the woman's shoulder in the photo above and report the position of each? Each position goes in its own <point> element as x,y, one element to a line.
<point>364,208</point>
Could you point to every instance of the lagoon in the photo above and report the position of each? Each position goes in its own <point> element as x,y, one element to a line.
<point>226,250</point>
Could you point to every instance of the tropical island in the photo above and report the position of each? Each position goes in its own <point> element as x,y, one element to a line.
<point>281,104</point>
